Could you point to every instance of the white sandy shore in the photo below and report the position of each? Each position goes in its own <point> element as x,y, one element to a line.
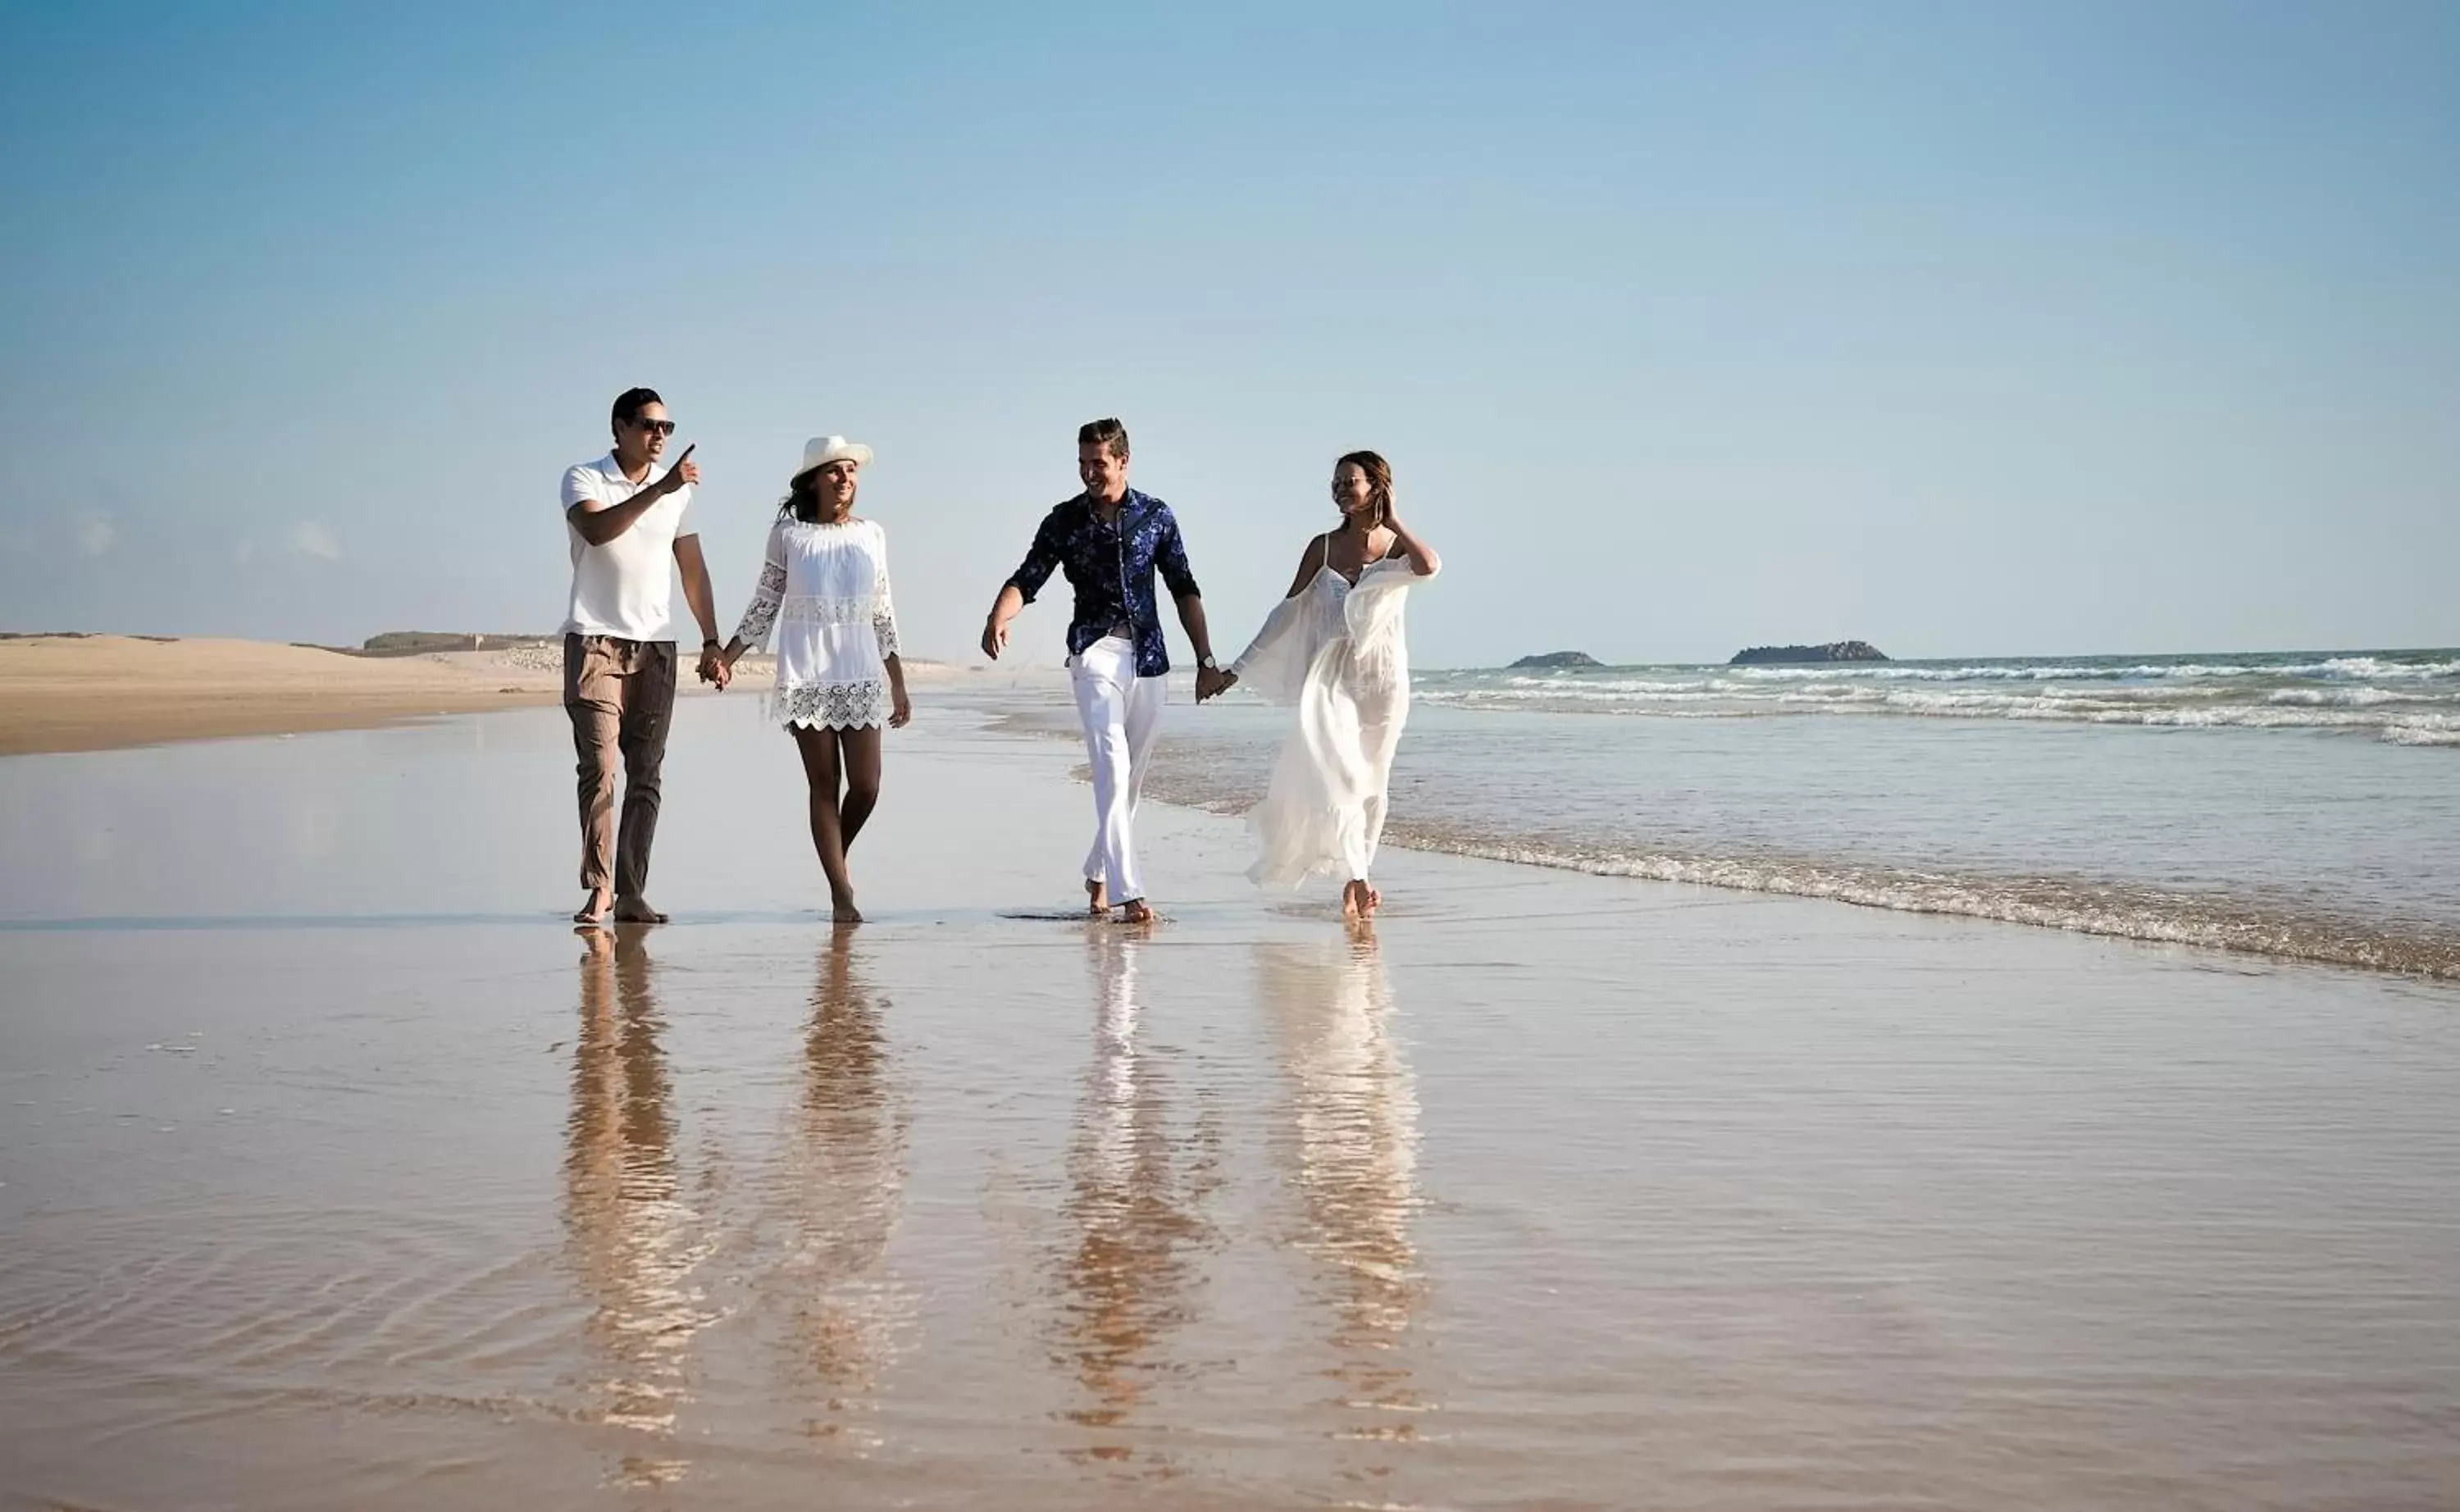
<point>99,691</point>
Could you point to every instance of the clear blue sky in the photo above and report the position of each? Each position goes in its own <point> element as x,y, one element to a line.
<point>1963,328</point>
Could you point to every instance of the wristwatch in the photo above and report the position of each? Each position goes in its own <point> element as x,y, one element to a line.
<point>1208,664</point>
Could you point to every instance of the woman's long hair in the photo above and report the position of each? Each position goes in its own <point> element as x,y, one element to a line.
<point>1379,484</point>
<point>802,501</point>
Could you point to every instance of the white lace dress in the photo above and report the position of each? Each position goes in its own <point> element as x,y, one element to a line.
<point>824,590</point>
<point>1336,651</point>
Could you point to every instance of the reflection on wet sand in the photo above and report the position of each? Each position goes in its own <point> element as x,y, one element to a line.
<point>845,1185</point>
<point>1125,1274</point>
<point>1353,1160</point>
<point>634,1241</point>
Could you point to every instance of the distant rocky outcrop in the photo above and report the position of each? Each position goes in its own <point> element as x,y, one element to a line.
<point>1799,656</point>
<point>1556,659</point>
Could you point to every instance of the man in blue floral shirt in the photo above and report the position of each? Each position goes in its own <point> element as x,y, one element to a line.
<point>1110,539</point>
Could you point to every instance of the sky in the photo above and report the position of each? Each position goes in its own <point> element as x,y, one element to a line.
<point>1964,330</point>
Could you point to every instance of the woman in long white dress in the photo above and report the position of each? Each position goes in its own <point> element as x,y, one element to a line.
<point>1334,648</point>
<point>824,590</point>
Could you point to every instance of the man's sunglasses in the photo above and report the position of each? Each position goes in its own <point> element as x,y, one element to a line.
<point>655,427</point>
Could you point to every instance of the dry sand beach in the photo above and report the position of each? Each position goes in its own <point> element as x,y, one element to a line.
<point>335,1170</point>
<point>98,692</point>
<point>91,693</point>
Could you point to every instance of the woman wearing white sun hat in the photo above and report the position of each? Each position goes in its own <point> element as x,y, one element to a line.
<point>824,588</point>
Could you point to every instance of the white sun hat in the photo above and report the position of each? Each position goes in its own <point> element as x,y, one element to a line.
<point>822,450</point>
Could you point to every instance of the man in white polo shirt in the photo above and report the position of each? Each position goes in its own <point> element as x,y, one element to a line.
<point>627,518</point>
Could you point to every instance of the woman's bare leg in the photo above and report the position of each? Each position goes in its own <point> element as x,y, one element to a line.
<point>820,769</point>
<point>859,751</point>
<point>1377,738</point>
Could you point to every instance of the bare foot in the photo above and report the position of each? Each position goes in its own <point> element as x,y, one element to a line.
<point>1374,899</point>
<point>1097,896</point>
<point>1353,900</point>
<point>842,910</point>
<point>637,911</point>
<point>1135,911</point>
<point>594,912</point>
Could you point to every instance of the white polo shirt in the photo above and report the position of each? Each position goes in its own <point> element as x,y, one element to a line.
<point>625,588</point>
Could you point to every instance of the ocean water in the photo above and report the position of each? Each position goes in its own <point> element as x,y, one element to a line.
<point>2408,698</point>
<point>2297,805</point>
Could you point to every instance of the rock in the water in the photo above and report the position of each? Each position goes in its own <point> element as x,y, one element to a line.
<point>1552,659</point>
<point>1795,655</point>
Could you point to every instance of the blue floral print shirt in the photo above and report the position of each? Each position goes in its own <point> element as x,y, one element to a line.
<point>1111,568</point>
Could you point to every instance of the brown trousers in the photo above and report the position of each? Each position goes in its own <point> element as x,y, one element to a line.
<point>622,697</point>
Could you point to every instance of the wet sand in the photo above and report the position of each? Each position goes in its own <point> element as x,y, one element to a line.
<point>334,1171</point>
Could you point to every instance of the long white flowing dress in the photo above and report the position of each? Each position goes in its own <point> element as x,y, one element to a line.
<point>824,590</point>
<point>1336,651</point>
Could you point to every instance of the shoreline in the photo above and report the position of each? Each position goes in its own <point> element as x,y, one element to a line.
<point>2231,929</point>
<point>69,693</point>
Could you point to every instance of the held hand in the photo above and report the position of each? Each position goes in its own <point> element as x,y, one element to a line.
<point>683,473</point>
<point>994,637</point>
<point>714,667</point>
<point>900,712</point>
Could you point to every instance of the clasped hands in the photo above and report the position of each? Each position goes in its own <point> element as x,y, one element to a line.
<point>1212,683</point>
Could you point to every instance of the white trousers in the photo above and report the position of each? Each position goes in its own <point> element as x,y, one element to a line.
<point>1121,714</point>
